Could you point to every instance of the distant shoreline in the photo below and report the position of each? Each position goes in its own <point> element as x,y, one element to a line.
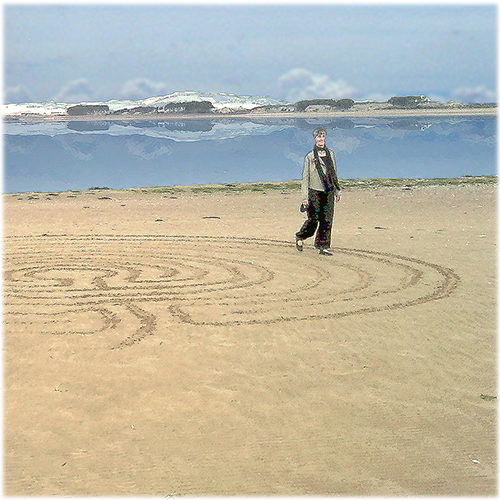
<point>351,113</point>
<point>291,185</point>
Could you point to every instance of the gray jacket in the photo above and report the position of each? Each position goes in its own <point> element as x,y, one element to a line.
<point>310,176</point>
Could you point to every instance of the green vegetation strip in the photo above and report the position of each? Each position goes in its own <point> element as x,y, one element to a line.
<point>416,183</point>
<point>289,186</point>
<point>347,184</point>
<point>488,398</point>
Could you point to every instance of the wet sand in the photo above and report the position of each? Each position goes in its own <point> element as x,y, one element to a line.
<point>177,344</point>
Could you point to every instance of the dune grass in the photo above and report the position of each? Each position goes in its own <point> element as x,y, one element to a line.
<point>285,186</point>
<point>347,184</point>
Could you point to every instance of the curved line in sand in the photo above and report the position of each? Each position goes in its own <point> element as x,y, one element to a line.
<point>211,280</point>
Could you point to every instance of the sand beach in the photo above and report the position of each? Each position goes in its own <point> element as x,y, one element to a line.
<point>173,342</point>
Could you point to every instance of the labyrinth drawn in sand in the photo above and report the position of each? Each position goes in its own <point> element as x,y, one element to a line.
<point>107,285</point>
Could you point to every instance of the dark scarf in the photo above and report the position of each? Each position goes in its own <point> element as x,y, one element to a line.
<point>330,179</point>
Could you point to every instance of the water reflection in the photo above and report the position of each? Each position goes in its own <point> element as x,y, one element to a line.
<point>59,156</point>
<point>88,126</point>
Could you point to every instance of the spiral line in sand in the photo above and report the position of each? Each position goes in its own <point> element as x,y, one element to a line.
<point>90,285</point>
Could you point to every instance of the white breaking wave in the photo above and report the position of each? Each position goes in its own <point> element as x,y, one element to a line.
<point>219,101</point>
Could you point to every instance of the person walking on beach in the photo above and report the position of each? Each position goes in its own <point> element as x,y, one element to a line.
<point>320,191</point>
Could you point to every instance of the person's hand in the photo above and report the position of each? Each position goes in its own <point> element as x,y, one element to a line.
<point>305,202</point>
<point>338,197</point>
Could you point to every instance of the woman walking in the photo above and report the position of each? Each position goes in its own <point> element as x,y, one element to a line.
<point>320,191</point>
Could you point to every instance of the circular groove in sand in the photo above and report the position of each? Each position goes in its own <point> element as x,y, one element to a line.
<point>206,280</point>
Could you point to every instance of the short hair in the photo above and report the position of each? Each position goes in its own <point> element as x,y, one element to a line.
<point>319,130</point>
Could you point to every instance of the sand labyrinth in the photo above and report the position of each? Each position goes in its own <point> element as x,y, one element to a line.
<point>102,285</point>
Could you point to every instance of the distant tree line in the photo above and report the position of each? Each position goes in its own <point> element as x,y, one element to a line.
<point>198,107</point>
<point>190,107</point>
<point>88,109</point>
<point>481,105</point>
<point>138,110</point>
<point>409,101</point>
<point>333,103</point>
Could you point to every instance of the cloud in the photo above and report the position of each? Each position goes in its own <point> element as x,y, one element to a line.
<point>345,143</point>
<point>147,148</point>
<point>300,83</point>
<point>18,144</point>
<point>142,88</point>
<point>17,95</point>
<point>296,158</point>
<point>82,147</point>
<point>75,91</point>
<point>474,94</point>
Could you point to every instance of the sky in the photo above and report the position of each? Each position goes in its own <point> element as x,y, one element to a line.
<point>73,53</point>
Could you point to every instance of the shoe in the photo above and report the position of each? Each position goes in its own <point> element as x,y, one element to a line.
<point>324,251</point>
<point>299,244</point>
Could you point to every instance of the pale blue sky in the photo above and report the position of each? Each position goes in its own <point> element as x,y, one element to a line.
<point>73,53</point>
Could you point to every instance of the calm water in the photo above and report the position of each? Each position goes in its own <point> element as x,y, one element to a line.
<point>78,155</point>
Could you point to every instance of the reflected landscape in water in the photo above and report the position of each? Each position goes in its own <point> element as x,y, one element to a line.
<point>61,156</point>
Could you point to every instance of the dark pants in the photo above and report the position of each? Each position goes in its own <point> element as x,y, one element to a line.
<point>319,213</point>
